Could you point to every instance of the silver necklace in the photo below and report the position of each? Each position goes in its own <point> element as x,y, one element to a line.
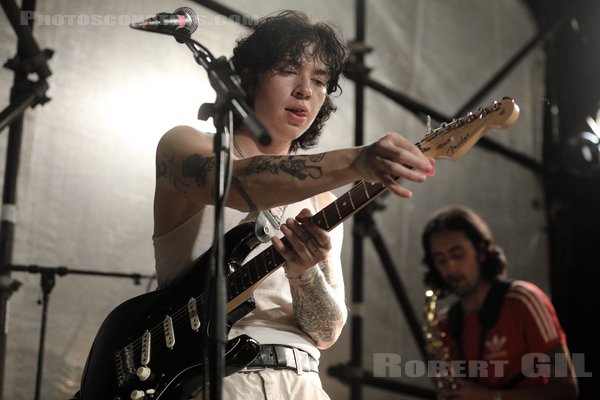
<point>237,147</point>
<point>268,221</point>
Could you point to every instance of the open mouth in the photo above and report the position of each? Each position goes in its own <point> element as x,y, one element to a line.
<point>298,112</point>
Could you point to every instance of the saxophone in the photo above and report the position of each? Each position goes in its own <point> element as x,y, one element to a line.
<point>434,345</point>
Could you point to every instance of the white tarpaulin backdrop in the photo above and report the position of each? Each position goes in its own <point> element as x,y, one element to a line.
<point>87,173</point>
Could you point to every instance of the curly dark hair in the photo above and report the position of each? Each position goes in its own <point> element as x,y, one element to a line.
<point>285,36</point>
<point>463,219</point>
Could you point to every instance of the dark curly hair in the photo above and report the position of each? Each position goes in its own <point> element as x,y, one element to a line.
<point>463,219</point>
<point>285,36</point>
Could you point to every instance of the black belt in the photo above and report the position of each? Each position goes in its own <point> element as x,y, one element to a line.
<point>278,356</point>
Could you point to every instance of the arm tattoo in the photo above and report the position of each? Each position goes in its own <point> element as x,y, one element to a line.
<point>165,167</point>
<point>316,157</point>
<point>326,269</point>
<point>260,165</point>
<point>317,312</point>
<point>297,168</point>
<point>161,169</point>
<point>235,182</point>
<point>197,167</point>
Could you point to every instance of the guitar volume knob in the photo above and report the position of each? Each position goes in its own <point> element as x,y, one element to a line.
<point>137,395</point>
<point>143,373</point>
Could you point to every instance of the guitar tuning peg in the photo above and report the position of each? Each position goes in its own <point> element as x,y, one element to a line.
<point>496,105</point>
<point>471,117</point>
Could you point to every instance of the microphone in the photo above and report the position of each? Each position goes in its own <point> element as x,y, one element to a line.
<point>183,20</point>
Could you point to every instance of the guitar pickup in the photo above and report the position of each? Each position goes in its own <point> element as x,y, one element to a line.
<point>193,314</point>
<point>169,332</point>
<point>146,343</point>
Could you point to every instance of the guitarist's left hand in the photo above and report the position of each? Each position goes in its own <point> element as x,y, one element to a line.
<point>309,243</point>
<point>315,277</point>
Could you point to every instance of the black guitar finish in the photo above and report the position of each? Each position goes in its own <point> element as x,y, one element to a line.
<point>175,369</point>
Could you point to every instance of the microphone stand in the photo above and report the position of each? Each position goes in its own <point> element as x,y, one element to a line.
<point>230,102</point>
<point>47,282</point>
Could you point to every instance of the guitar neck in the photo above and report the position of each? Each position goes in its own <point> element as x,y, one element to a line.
<point>450,141</point>
<point>351,202</point>
<point>347,205</point>
<point>328,218</point>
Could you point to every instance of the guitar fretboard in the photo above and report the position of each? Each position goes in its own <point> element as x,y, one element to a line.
<point>328,218</point>
<point>449,139</point>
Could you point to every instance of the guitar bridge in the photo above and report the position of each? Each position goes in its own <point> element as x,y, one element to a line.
<point>125,365</point>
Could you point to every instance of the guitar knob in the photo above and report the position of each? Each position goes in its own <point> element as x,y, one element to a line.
<point>137,395</point>
<point>143,373</point>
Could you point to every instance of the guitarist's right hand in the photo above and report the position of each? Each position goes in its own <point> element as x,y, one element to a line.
<point>309,243</point>
<point>390,158</point>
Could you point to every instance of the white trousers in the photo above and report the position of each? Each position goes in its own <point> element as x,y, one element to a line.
<point>272,384</point>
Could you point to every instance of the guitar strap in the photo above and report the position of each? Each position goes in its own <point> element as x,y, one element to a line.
<point>488,315</point>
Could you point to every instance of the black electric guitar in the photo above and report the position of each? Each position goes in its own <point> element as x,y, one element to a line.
<point>149,346</point>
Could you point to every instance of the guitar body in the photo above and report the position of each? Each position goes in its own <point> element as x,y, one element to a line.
<point>176,369</point>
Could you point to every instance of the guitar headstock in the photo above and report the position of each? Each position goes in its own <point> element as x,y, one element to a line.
<point>452,140</point>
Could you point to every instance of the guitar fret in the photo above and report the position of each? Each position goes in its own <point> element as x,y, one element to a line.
<point>277,258</point>
<point>264,268</point>
<point>331,216</point>
<point>359,195</point>
<point>337,209</point>
<point>233,291</point>
<point>238,280</point>
<point>246,277</point>
<point>248,274</point>
<point>266,262</point>
<point>326,223</point>
<point>345,202</point>
<point>232,288</point>
<point>375,188</point>
<point>318,220</point>
<point>364,186</point>
<point>251,269</point>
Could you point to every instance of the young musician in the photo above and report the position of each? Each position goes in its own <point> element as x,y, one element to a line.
<point>289,67</point>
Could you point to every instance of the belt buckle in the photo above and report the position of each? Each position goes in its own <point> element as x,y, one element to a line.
<point>253,369</point>
<point>298,359</point>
